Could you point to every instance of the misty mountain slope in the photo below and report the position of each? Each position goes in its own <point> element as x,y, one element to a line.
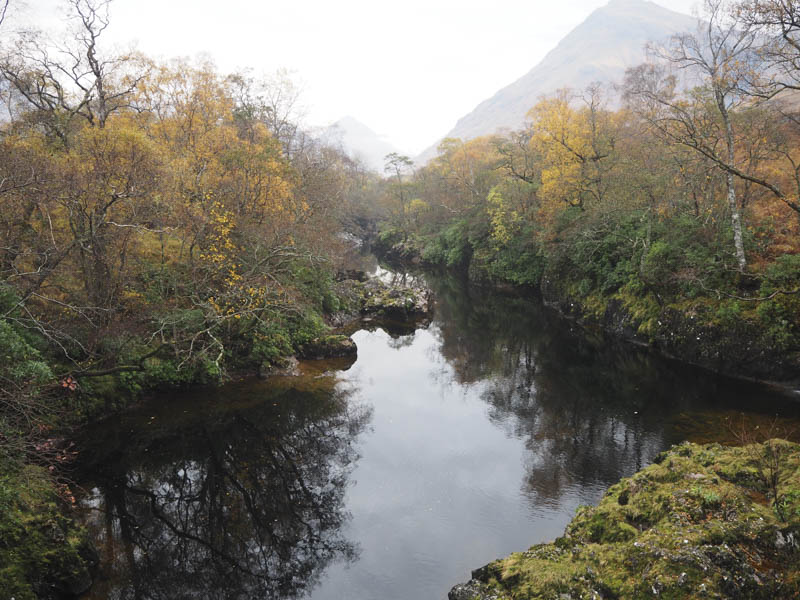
<point>609,41</point>
<point>359,141</point>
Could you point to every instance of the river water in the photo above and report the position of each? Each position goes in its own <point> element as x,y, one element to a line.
<point>438,450</point>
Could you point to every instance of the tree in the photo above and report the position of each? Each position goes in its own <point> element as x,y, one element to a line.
<point>157,212</point>
<point>397,167</point>
<point>778,22</point>
<point>72,80</point>
<point>576,145</point>
<point>722,57</point>
<point>467,171</point>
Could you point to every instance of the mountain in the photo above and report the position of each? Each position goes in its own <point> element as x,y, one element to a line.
<point>359,141</point>
<point>609,41</point>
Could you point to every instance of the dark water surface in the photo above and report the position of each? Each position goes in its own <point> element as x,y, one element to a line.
<point>437,451</point>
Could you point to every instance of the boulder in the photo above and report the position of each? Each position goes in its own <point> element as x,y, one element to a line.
<point>329,346</point>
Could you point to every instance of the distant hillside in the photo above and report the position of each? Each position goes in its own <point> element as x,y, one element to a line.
<point>609,41</point>
<point>359,141</point>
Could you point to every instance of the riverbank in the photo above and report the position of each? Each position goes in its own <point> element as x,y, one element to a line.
<point>695,331</point>
<point>746,339</point>
<point>702,522</point>
<point>44,552</point>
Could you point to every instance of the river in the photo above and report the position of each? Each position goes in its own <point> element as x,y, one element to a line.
<point>438,450</point>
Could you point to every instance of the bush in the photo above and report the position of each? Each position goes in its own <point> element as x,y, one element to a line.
<point>781,312</point>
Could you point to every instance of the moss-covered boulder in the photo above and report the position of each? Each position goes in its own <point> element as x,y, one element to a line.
<point>374,299</point>
<point>43,553</point>
<point>395,301</point>
<point>329,346</point>
<point>702,522</point>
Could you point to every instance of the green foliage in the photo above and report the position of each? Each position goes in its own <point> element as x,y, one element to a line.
<point>40,549</point>
<point>317,284</point>
<point>520,260</point>
<point>305,327</point>
<point>387,237</point>
<point>783,274</point>
<point>451,247</point>
<point>729,312</point>
<point>270,342</point>
<point>602,254</point>
<point>275,339</point>
<point>779,313</point>
<point>20,362</point>
<point>661,262</point>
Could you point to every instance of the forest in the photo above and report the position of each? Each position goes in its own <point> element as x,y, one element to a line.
<point>673,195</point>
<point>165,224</point>
<point>162,224</point>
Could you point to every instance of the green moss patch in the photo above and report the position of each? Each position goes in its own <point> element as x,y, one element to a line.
<point>43,554</point>
<point>703,522</point>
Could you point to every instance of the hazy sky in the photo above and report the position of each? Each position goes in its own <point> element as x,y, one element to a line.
<point>406,69</point>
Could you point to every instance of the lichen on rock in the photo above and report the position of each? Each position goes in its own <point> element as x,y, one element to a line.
<point>395,301</point>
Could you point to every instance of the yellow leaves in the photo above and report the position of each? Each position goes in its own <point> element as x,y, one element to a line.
<point>190,184</point>
<point>503,221</point>
<point>417,206</point>
<point>575,144</point>
<point>468,169</point>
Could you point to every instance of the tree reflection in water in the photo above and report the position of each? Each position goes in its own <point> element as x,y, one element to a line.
<point>590,410</point>
<point>246,503</point>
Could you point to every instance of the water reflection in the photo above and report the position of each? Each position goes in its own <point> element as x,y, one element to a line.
<point>590,409</point>
<point>486,430</point>
<point>243,501</point>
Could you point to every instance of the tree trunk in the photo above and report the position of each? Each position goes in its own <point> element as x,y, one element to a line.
<point>736,217</point>
<point>736,220</point>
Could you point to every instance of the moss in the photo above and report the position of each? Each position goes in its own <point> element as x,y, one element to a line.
<point>643,310</point>
<point>42,552</point>
<point>329,346</point>
<point>696,524</point>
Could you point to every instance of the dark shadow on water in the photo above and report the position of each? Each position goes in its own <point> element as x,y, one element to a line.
<point>591,409</point>
<point>242,491</point>
<point>225,496</point>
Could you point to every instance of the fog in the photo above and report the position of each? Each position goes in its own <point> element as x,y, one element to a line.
<point>408,71</point>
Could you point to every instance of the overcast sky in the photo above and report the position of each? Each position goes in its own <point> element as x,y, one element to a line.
<point>406,69</point>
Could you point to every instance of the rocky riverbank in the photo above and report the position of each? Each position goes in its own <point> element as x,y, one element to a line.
<point>694,332</point>
<point>702,522</point>
<point>723,335</point>
<point>365,301</point>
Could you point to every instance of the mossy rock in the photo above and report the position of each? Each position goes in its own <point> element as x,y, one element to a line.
<point>329,346</point>
<point>702,522</point>
<point>43,553</point>
<point>394,301</point>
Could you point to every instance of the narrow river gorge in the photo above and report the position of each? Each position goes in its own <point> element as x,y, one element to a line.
<point>438,450</point>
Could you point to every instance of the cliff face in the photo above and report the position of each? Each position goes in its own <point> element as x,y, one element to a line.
<point>609,41</point>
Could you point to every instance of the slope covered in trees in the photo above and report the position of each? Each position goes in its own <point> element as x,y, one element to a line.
<point>673,219</point>
<point>162,224</point>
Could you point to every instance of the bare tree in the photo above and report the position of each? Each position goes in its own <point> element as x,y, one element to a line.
<point>779,22</point>
<point>721,57</point>
<point>3,10</point>
<point>73,79</point>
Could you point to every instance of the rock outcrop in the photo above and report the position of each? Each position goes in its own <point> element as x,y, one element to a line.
<point>703,522</point>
